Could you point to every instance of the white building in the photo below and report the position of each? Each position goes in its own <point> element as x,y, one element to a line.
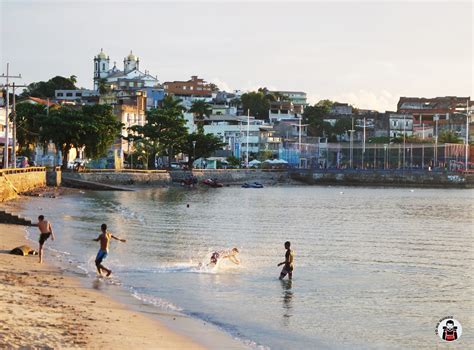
<point>129,78</point>
<point>233,131</point>
<point>400,124</point>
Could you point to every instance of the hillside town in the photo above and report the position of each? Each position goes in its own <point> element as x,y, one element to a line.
<point>263,128</point>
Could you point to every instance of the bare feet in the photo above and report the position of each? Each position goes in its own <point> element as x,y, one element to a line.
<point>108,273</point>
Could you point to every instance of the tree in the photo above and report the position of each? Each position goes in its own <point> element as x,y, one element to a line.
<point>257,102</point>
<point>314,117</point>
<point>200,109</point>
<point>205,145</point>
<point>448,136</point>
<point>166,127</point>
<point>103,86</point>
<point>101,129</point>
<point>28,118</point>
<point>342,126</point>
<point>213,87</point>
<point>46,89</point>
<point>93,127</point>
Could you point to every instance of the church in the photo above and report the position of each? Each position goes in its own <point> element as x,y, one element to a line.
<point>130,78</point>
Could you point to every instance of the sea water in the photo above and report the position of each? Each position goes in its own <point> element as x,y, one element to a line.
<point>374,267</point>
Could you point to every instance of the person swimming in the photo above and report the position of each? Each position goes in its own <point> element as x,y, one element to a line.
<point>225,254</point>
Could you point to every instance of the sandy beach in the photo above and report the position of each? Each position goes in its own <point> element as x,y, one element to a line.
<point>42,307</point>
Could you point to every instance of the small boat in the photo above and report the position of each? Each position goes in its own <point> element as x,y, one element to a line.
<point>212,183</point>
<point>252,185</point>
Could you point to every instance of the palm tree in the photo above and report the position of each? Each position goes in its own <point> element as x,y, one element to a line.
<point>200,109</point>
<point>104,88</point>
<point>73,79</point>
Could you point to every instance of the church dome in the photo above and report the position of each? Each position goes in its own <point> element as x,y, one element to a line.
<point>132,57</point>
<point>102,54</point>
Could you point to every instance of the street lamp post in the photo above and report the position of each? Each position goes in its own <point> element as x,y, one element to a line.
<point>194,152</point>
<point>466,160</point>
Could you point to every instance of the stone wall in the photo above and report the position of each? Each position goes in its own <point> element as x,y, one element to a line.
<point>15,181</point>
<point>119,178</point>
<point>234,176</point>
<point>385,178</point>
<point>163,178</point>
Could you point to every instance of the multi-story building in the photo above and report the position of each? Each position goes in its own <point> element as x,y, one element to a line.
<point>80,96</point>
<point>341,109</point>
<point>193,87</point>
<point>283,110</point>
<point>400,124</point>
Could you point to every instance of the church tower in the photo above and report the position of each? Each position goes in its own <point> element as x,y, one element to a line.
<point>130,63</point>
<point>101,67</point>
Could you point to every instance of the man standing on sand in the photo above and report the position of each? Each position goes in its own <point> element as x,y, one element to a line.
<point>288,268</point>
<point>46,230</point>
<point>104,239</point>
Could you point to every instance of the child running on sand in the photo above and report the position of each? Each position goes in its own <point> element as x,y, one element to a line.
<point>104,239</point>
<point>46,230</point>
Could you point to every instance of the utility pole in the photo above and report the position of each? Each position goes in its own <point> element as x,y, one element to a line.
<point>248,131</point>
<point>14,123</point>
<point>7,121</point>
<point>351,144</point>
<point>467,137</point>
<point>363,147</point>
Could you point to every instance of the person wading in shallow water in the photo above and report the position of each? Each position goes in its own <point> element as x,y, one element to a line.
<point>288,268</point>
<point>46,230</point>
<point>104,239</point>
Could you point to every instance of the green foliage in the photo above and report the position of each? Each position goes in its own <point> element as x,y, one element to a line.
<point>213,87</point>
<point>206,144</point>
<point>104,87</point>
<point>165,127</point>
<point>313,116</point>
<point>449,136</point>
<point>257,102</point>
<point>94,127</point>
<point>27,124</point>
<point>233,161</point>
<point>200,109</point>
<point>45,89</point>
<point>101,129</point>
<point>342,126</point>
<point>145,151</point>
<point>264,155</point>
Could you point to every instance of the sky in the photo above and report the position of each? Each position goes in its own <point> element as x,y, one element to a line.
<point>364,53</point>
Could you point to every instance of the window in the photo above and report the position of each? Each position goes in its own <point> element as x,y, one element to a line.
<point>69,94</point>
<point>406,124</point>
<point>78,94</point>
<point>395,123</point>
<point>60,94</point>
<point>103,66</point>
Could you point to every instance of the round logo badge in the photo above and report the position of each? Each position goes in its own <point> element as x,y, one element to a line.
<point>449,329</point>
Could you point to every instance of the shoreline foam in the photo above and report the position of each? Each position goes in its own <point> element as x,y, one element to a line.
<point>42,306</point>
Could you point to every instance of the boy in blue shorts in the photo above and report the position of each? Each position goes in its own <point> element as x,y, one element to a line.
<point>104,239</point>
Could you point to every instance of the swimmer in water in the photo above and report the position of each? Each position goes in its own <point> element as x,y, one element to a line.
<point>225,254</point>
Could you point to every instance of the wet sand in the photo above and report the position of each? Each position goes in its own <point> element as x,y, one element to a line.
<point>42,307</point>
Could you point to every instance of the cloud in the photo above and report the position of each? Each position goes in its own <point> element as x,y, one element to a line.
<point>381,101</point>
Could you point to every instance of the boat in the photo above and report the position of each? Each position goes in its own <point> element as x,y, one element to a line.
<point>252,185</point>
<point>212,183</point>
<point>189,181</point>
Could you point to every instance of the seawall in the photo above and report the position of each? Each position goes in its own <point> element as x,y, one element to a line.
<point>165,178</point>
<point>15,181</point>
<point>123,177</point>
<point>397,178</point>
